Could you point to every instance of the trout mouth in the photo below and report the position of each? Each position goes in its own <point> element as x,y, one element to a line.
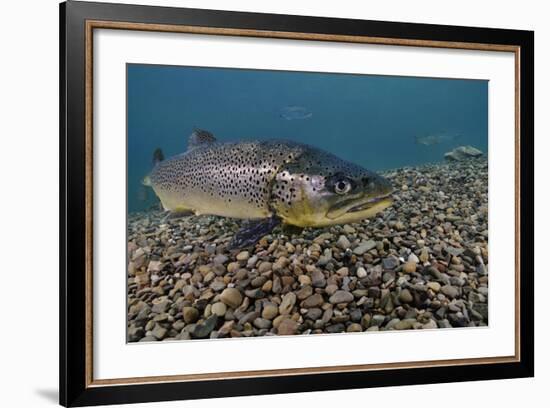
<point>370,203</point>
<point>351,207</point>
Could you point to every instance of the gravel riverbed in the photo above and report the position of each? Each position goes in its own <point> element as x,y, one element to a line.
<point>420,264</point>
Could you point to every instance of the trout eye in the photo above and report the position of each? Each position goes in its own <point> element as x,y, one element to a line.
<point>342,186</point>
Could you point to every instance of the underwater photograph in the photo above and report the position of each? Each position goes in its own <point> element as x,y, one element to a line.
<point>269,203</point>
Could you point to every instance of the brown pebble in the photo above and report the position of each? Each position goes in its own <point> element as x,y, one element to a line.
<point>287,327</point>
<point>409,267</point>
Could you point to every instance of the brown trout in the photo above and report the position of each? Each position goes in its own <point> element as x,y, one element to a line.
<point>297,184</point>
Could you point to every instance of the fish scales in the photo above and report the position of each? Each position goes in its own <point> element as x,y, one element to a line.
<point>228,179</point>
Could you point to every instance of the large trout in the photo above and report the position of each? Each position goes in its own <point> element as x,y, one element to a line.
<point>273,181</point>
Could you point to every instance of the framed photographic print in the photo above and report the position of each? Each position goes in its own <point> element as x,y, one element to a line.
<point>255,203</point>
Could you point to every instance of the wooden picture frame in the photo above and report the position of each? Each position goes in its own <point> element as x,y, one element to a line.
<point>78,20</point>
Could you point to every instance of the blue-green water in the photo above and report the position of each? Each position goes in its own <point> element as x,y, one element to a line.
<point>373,121</point>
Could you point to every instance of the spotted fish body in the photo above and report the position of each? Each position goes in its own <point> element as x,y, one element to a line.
<point>227,179</point>
<point>262,179</point>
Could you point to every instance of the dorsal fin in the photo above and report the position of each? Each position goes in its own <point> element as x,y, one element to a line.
<point>158,156</point>
<point>199,138</point>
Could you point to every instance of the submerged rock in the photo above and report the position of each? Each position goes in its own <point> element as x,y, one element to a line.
<point>463,153</point>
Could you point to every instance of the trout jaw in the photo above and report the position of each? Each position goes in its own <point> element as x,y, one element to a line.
<point>360,212</point>
<point>358,208</point>
<point>308,215</point>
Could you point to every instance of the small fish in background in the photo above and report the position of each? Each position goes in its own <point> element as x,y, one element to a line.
<point>436,138</point>
<point>295,113</point>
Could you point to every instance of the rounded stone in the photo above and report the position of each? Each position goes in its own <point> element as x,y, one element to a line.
<point>435,286</point>
<point>341,296</point>
<point>450,291</point>
<point>265,267</point>
<point>354,327</point>
<point>261,323</point>
<point>270,311</point>
<point>343,242</point>
<point>231,297</point>
<point>361,272</point>
<point>190,314</point>
<point>287,303</point>
<point>424,255</point>
<point>287,327</point>
<point>405,296</point>
<point>313,301</point>
<point>243,256</point>
<point>219,309</point>
<point>232,267</point>
<point>409,267</point>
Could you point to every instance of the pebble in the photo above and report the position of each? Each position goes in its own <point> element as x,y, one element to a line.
<point>341,296</point>
<point>450,291</point>
<point>233,267</point>
<point>287,327</point>
<point>190,314</point>
<point>304,280</point>
<point>220,259</point>
<point>159,332</point>
<point>265,267</point>
<point>435,286</point>
<point>261,323</point>
<point>343,242</point>
<point>243,256</point>
<point>318,279</point>
<point>404,324</point>
<point>424,255</point>
<point>314,313</point>
<point>336,328</point>
<point>343,271</point>
<point>330,289</point>
<point>361,272</point>
<point>405,296</point>
<point>315,300</point>
<point>481,269</point>
<point>160,307</point>
<point>304,292</point>
<point>348,229</point>
<point>231,297</point>
<point>219,309</point>
<point>364,247</point>
<point>432,324</point>
<point>454,251</point>
<point>269,311</point>
<point>287,303</point>
<point>409,267</point>
<point>252,262</point>
<point>354,327</point>
<point>202,330</point>
<point>390,262</point>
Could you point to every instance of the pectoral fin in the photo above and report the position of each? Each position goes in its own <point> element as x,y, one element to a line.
<point>253,232</point>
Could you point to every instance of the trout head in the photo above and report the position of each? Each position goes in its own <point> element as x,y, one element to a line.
<point>318,189</point>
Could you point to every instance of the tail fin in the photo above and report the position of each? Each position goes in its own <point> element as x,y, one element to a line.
<point>158,156</point>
